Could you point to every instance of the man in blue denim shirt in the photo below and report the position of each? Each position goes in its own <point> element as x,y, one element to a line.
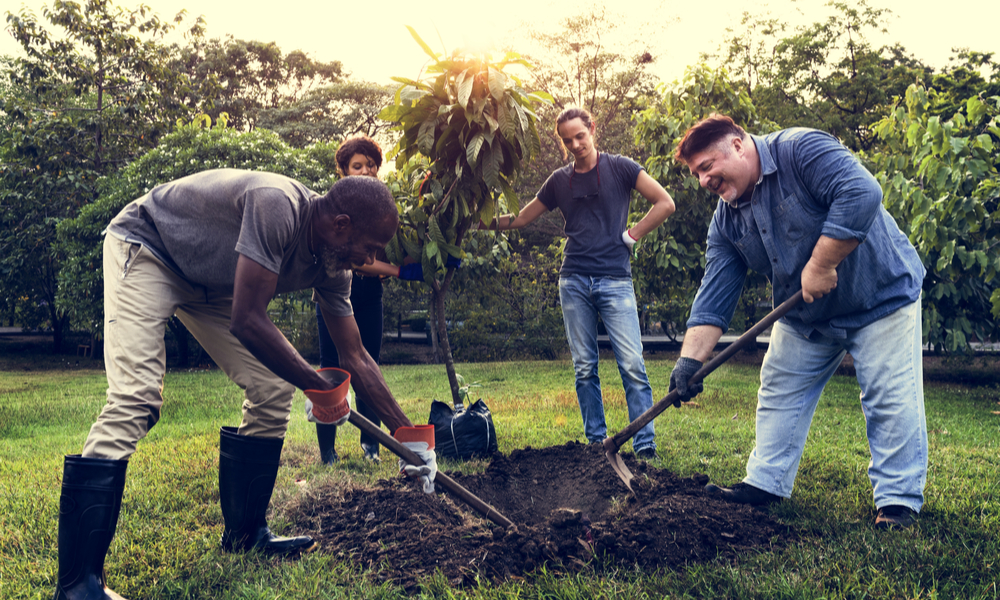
<point>798,206</point>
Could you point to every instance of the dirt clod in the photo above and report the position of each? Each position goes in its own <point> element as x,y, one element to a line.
<point>571,511</point>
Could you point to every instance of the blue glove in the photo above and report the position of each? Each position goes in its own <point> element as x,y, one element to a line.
<point>453,262</point>
<point>411,272</point>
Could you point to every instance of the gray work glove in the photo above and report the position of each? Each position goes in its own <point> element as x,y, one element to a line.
<point>683,370</point>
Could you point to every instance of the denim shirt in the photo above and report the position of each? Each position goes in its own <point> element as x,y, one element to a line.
<point>811,185</point>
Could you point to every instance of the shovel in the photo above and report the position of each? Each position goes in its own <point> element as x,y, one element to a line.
<point>409,456</point>
<point>612,444</point>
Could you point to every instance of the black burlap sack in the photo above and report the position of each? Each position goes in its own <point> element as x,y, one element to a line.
<point>461,432</point>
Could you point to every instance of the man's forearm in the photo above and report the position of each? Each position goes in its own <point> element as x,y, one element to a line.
<point>829,252</point>
<point>819,275</point>
<point>265,342</point>
<point>700,341</point>
<point>653,218</point>
<point>367,381</point>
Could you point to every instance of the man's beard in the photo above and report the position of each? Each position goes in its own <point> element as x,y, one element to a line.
<point>335,260</point>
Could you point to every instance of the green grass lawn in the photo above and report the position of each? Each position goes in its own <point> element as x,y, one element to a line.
<point>167,540</point>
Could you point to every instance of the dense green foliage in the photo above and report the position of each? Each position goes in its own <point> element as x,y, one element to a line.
<point>244,78</point>
<point>671,259</point>
<point>93,91</point>
<point>826,75</point>
<point>510,311</point>
<point>941,183</point>
<point>190,149</point>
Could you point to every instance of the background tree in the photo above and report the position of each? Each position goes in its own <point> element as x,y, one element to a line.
<point>331,113</point>
<point>467,130</point>
<point>582,64</point>
<point>670,260</point>
<point>941,184</point>
<point>190,149</point>
<point>93,91</point>
<point>243,78</point>
<point>826,75</point>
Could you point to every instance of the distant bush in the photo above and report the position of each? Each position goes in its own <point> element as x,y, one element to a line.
<point>190,149</point>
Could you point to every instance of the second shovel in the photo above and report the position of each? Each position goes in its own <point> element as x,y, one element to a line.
<point>612,444</point>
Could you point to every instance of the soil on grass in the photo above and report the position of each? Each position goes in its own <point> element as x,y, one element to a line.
<point>570,509</point>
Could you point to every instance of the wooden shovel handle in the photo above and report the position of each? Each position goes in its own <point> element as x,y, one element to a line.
<point>626,434</point>
<point>447,482</point>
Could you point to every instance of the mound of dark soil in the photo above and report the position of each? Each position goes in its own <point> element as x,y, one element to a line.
<point>571,511</point>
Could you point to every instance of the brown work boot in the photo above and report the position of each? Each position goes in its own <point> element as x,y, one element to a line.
<point>895,517</point>
<point>743,493</point>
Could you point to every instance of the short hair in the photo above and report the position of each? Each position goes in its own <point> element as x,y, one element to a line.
<point>706,133</point>
<point>363,199</point>
<point>568,114</point>
<point>358,144</point>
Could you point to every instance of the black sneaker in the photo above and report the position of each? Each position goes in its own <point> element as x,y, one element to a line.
<point>370,452</point>
<point>648,453</point>
<point>895,516</point>
<point>743,493</point>
<point>330,458</point>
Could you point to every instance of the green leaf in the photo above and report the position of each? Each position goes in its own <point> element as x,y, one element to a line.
<point>412,247</point>
<point>491,166</point>
<point>425,139</point>
<point>464,83</point>
<point>427,49</point>
<point>544,97</point>
<point>497,83</point>
<point>472,150</point>
<point>434,230</point>
<point>393,251</point>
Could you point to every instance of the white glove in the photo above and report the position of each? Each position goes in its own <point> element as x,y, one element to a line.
<point>419,439</point>
<point>628,239</point>
<point>338,422</point>
<point>424,472</point>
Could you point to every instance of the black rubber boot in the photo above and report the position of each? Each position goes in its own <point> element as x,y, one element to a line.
<point>248,467</point>
<point>327,437</point>
<point>88,515</point>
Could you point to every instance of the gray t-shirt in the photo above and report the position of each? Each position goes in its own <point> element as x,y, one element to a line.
<point>199,225</point>
<point>595,206</point>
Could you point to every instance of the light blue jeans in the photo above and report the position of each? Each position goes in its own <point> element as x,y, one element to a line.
<point>613,298</point>
<point>888,360</point>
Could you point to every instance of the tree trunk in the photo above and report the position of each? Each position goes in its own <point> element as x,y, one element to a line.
<point>437,301</point>
<point>432,329</point>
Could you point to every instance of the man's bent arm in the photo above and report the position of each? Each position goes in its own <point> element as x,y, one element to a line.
<point>819,276</point>
<point>252,292</point>
<point>700,341</point>
<point>663,205</point>
<point>366,377</point>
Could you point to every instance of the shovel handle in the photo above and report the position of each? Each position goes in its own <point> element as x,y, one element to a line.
<point>642,420</point>
<point>409,456</point>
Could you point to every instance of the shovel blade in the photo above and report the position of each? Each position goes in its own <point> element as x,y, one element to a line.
<point>619,466</point>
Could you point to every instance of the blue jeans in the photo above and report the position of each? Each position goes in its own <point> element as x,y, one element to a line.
<point>583,299</point>
<point>888,360</point>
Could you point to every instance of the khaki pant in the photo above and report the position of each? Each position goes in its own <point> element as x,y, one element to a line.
<point>140,296</point>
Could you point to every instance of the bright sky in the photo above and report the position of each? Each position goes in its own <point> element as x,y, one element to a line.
<point>374,45</point>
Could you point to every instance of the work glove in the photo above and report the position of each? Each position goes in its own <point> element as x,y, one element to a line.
<point>330,407</point>
<point>683,370</point>
<point>628,239</point>
<point>420,440</point>
<point>411,272</point>
<point>415,272</point>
